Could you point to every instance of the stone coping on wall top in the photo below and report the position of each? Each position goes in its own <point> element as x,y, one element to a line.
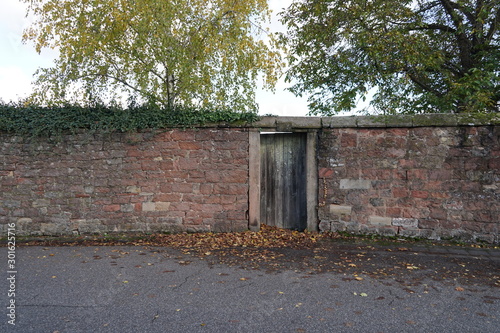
<point>421,120</point>
<point>287,124</point>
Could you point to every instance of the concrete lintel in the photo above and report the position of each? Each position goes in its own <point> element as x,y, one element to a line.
<point>291,123</point>
<point>265,122</point>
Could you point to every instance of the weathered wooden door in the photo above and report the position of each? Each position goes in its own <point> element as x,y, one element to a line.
<point>283,200</point>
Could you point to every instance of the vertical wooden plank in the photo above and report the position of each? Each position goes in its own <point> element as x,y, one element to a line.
<point>268,170</point>
<point>291,183</point>
<point>263,185</point>
<point>302,187</point>
<point>286,190</point>
<point>272,169</point>
<point>296,187</point>
<point>264,178</point>
<point>254,197</point>
<point>278,180</point>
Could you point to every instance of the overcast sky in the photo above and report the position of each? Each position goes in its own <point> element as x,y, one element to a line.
<point>18,63</point>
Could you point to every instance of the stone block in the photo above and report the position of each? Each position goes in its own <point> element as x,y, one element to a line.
<point>325,226</point>
<point>340,210</point>
<point>223,226</point>
<point>338,226</point>
<point>265,122</point>
<point>325,173</point>
<point>380,220</point>
<point>24,225</point>
<point>387,231</point>
<point>372,121</point>
<point>410,232</point>
<point>170,220</point>
<point>377,202</point>
<point>41,203</point>
<point>111,208</point>
<point>90,226</point>
<point>339,122</point>
<point>349,140</point>
<point>183,135</point>
<point>198,228</point>
<point>405,222</point>
<point>298,122</point>
<point>426,233</point>
<point>162,206</point>
<point>114,161</point>
<point>24,220</point>
<point>133,189</point>
<point>399,121</point>
<point>52,228</point>
<point>430,120</point>
<point>11,203</point>
<point>355,184</point>
<point>353,227</point>
<point>127,208</point>
<point>148,207</point>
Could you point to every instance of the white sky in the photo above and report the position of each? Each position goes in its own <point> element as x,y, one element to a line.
<point>18,63</point>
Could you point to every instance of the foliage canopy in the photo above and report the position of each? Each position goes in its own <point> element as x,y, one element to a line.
<point>204,53</point>
<point>417,55</point>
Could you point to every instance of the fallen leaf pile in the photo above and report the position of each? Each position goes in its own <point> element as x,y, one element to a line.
<point>267,237</point>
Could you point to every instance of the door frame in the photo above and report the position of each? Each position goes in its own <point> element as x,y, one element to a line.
<point>255,187</point>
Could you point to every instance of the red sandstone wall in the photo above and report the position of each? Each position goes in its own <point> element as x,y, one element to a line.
<point>433,182</point>
<point>414,180</point>
<point>178,180</point>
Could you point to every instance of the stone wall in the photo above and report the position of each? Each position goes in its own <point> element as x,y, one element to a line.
<point>177,180</point>
<point>432,182</point>
<point>432,176</point>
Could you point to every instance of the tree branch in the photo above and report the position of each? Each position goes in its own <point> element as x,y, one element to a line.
<point>419,82</point>
<point>453,68</point>
<point>494,26</point>
<point>449,7</point>
<point>428,7</point>
<point>470,16</point>
<point>464,44</point>
<point>434,26</point>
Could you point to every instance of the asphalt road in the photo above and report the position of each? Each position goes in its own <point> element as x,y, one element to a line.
<point>349,289</point>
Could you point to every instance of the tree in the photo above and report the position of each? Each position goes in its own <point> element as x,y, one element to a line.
<point>202,53</point>
<point>417,55</point>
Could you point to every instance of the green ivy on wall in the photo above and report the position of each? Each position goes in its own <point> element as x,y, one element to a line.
<point>35,121</point>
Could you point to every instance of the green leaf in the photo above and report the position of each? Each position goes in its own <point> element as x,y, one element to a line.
<point>415,57</point>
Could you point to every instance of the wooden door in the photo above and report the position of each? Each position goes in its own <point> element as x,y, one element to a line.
<point>283,199</point>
